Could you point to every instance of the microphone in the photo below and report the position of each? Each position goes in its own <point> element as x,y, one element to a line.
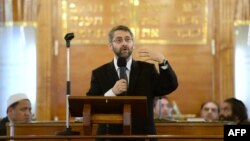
<point>69,36</point>
<point>122,63</point>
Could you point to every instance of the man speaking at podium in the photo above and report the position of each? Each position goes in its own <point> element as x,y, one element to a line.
<point>124,76</point>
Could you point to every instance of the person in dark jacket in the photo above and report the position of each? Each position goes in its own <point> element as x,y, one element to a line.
<point>234,110</point>
<point>18,110</point>
<point>144,79</point>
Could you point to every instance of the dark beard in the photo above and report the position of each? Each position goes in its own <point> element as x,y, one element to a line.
<point>125,55</point>
<point>228,118</point>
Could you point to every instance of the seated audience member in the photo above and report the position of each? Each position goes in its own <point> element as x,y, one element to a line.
<point>210,111</point>
<point>162,108</point>
<point>234,110</point>
<point>18,110</point>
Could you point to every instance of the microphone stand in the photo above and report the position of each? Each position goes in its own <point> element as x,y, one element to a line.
<point>68,130</point>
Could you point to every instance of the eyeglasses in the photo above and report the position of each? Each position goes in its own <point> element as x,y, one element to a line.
<point>120,40</point>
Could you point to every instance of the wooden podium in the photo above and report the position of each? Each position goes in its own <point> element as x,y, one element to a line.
<point>107,110</point>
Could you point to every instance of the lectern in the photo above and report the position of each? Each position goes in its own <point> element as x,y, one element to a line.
<point>107,110</point>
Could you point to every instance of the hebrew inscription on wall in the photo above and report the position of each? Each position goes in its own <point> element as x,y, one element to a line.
<point>153,22</point>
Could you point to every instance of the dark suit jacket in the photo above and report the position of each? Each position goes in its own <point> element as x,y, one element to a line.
<point>144,80</point>
<point>3,129</point>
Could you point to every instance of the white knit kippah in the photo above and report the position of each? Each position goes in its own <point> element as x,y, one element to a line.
<point>15,98</point>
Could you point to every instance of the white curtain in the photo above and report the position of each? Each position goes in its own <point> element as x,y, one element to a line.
<point>242,65</point>
<point>17,63</point>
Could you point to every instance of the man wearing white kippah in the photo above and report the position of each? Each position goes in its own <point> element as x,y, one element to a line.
<point>18,111</point>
